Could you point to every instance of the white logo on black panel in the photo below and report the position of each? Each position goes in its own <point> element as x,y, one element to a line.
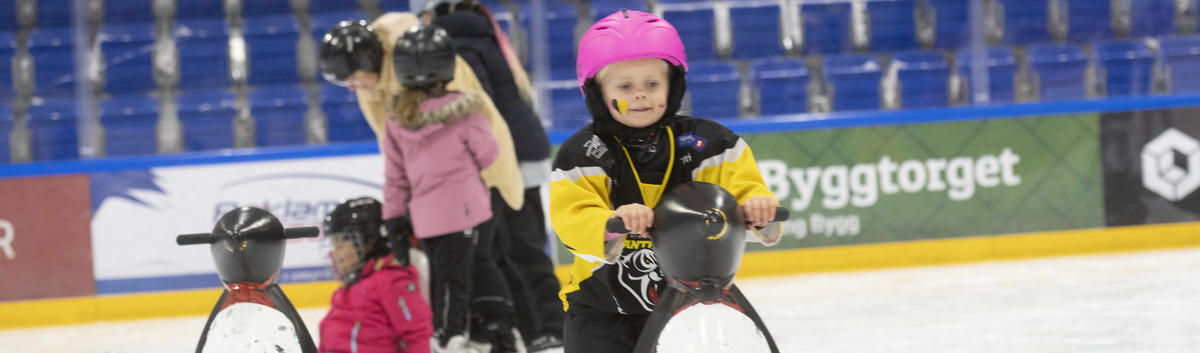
<point>1161,174</point>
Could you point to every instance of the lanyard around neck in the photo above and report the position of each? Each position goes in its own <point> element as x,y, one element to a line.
<point>667,176</point>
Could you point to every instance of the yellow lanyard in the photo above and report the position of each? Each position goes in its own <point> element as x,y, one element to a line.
<point>667,176</point>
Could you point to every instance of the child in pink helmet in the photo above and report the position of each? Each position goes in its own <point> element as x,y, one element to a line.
<point>631,69</point>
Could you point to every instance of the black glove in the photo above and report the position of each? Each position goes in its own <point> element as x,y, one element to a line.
<point>400,237</point>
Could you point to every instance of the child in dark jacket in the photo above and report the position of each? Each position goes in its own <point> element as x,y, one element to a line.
<point>435,144</point>
<point>631,69</point>
<point>379,307</point>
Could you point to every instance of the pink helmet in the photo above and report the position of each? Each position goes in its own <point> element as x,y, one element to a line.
<point>627,35</point>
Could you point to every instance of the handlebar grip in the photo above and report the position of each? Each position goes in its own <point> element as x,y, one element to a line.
<point>301,232</point>
<point>781,214</point>
<point>192,239</point>
<point>615,225</point>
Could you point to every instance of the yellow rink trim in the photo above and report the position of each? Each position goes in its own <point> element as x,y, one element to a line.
<point>754,264</point>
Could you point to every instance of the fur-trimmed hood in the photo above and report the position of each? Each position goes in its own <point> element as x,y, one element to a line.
<point>445,110</point>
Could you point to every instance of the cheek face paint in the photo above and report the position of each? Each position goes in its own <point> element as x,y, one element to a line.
<point>620,105</point>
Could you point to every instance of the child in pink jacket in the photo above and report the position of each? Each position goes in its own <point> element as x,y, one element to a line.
<point>436,143</point>
<point>378,308</point>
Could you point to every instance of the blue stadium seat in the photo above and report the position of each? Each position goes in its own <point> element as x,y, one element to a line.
<point>695,26</point>
<point>52,130</point>
<point>53,61</point>
<point>271,43</point>
<point>257,8</point>
<point>826,27</point>
<point>1151,17</point>
<point>855,81</point>
<point>560,23</point>
<point>327,6</point>
<point>402,5</point>
<point>755,31</point>
<point>714,89</point>
<point>1058,71</point>
<point>207,118</point>
<point>8,45</point>
<point>51,13</point>
<point>128,51</point>
<point>129,125</point>
<point>1025,21</point>
<point>1089,20</point>
<point>892,25</point>
<point>128,11</point>
<point>8,20</point>
<point>1181,55</point>
<point>1127,67</point>
<point>953,27</point>
<point>923,78</point>
<point>279,114</point>
<point>345,119</point>
<point>782,86</point>
<point>1001,73</point>
<point>199,9</point>
<point>568,111</point>
<point>203,53</point>
<point>6,121</point>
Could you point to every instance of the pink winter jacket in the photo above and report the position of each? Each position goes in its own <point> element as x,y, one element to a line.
<point>432,168</point>
<point>382,313</point>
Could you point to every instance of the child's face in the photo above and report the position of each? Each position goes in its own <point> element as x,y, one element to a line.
<point>345,255</point>
<point>639,87</point>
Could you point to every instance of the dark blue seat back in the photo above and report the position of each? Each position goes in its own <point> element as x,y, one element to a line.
<point>207,118</point>
<point>128,57</point>
<point>782,86</point>
<point>271,43</point>
<point>695,26</point>
<point>1058,71</point>
<point>1001,73</point>
<point>52,130</point>
<point>892,25</point>
<point>203,53</point>
<point>6,122</point>
<point>855,81</point>
<point>129,11</point>
<point>755,31</point>
<point>568,110</point>
<point>279,114</point>
<point>826,28</point>
<point>129,125</point>
<point>560,25</point>
<point>1151,17</point>
<point>53,60</point>
<point>923,78</point>
<point>345,118</point>
<point>1089,20</point>
<point>952,29</point>
<point>1181,55</point>
<point>714,89</point>
<point>1025,21</point>
<point>1128,67</point>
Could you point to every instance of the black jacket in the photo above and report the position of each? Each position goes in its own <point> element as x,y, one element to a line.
<point>475,42</point>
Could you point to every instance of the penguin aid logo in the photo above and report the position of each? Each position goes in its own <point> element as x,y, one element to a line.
<point>1161,169</point>
<point>863,184</point>
<point>7,236</point>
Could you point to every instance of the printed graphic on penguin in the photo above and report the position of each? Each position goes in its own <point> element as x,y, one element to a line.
<point>252,314</point>
<point>699,237</point>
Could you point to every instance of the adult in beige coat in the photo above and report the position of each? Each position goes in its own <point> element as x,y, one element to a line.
<point>376,87</point>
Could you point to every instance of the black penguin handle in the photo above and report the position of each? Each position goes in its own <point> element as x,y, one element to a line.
<point>193,239</point>
<point>616,225</point>
<point>301,232</point>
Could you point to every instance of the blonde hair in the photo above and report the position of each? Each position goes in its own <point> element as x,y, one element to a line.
<point>406,105</point>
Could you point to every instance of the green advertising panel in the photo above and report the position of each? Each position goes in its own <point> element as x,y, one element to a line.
<point>928,181</point>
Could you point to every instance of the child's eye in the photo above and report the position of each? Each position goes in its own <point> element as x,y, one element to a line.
<point>624,86</point>
<point>652,84</point>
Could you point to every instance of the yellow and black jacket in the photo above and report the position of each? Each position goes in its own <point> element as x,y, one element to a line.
<point>593,175</point>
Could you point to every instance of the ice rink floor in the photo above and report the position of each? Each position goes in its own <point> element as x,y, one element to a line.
<point>1132,302</point>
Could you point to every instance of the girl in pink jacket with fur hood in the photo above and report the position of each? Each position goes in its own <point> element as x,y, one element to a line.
<point>436,143</point>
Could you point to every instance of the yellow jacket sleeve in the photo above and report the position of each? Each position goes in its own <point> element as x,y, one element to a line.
<point>735,170</point>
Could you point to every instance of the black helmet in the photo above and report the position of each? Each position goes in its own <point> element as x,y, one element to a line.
<point>356,223</point>
<point>423,55</point>
<point>348,47</point>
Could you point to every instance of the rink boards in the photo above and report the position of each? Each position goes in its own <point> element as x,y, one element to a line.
<point>93,240</point>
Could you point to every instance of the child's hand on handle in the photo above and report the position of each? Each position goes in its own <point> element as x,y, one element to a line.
<point>637,217</point>
<point>759,211</point>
